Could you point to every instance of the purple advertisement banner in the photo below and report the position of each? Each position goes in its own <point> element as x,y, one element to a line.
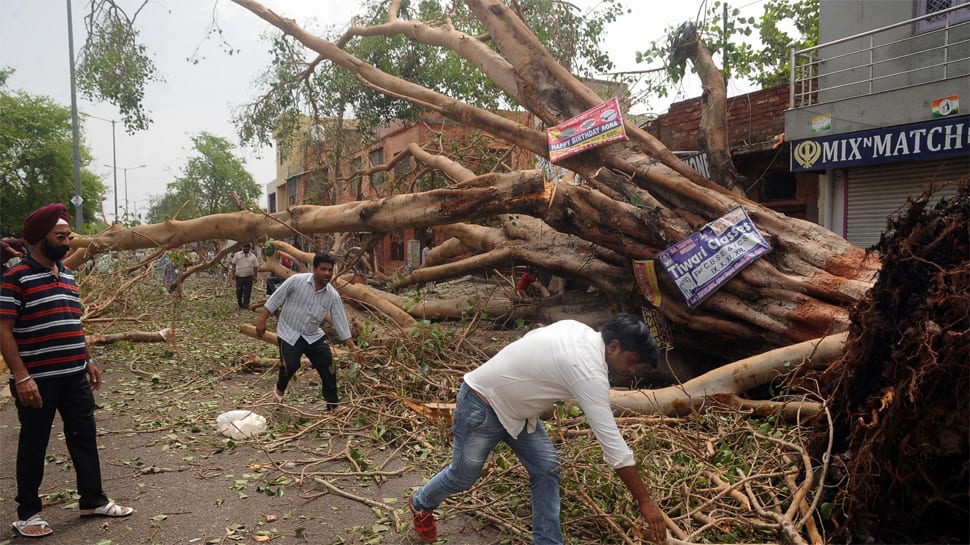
<point>707,259</point>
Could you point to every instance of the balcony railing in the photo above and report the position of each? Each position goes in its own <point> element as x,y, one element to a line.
<point>922,50</point>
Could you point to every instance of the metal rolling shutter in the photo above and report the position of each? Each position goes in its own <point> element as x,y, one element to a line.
<point>875,193</point>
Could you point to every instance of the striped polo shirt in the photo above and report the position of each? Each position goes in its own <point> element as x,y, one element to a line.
<point>47,310</point>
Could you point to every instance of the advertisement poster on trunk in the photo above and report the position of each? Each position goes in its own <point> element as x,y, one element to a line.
<point>707,259</point>
<point>593,128</point>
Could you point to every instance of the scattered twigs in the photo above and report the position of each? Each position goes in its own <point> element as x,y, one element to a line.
<point>718,474</point>
<point>581,492</point>
<point>786,525</point>
<point>366,501</point>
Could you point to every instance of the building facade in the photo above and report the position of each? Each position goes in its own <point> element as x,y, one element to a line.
<point>756,123</point>
<point>313,172</point>
<point>875,111</point>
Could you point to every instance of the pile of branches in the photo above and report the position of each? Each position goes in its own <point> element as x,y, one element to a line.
<point>720,475</point>
<point>900,392</point>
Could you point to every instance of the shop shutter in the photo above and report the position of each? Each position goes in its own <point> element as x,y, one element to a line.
<point>875,193</point>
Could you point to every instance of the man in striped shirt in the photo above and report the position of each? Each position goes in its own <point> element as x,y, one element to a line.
<point>42,342</point>
<point>306,300</point>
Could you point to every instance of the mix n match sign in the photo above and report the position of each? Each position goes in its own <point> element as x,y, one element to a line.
<point>592,128</point>
<point>707,259</point>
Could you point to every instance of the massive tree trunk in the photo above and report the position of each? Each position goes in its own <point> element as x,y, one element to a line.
<point>715,139</point>
<point>636,200</point>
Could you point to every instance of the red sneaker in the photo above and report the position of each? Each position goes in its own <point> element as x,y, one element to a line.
<point>424,523</point>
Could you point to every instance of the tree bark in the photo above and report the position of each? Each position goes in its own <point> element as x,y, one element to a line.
<point>727,382</point>
<point>163,335</point>
<point>715,139</point>
<point>636,200</point>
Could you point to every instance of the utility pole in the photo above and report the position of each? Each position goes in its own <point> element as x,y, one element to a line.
<point>75,131</point>
<point>724,40</point>
<point>125,170</point>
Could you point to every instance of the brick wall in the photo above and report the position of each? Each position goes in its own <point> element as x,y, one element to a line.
<point>752,119</point>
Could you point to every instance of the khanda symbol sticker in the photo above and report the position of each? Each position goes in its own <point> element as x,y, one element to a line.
<point>807,152</point>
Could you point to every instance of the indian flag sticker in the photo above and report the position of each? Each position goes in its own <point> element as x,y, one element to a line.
<point>946,106</point>
<point>821,123</point>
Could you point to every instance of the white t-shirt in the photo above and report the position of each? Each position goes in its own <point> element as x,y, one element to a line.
<point>245,264</point>
<point>564,360</point>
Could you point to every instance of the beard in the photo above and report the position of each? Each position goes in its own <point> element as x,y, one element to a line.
<point>54,253</point>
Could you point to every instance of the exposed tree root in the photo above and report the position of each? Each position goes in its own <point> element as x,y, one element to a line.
<point>899,395</point>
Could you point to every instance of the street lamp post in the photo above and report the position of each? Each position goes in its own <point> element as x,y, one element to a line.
<point>114,158</point>
<point>125,170</point>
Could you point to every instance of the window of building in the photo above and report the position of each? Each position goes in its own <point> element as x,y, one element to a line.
<point>397,245</point>
<point>401,168</point>
<point>355,181</point>
<point>291,190</point>
<point>376,159</point>
<point>780,186</point>
<point>927,7</point>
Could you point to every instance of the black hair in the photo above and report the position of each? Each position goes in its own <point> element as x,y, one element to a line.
<point>323,257</point>
<point>633,335</point>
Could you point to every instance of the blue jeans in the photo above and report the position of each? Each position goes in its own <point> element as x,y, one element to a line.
<point>477,431</point>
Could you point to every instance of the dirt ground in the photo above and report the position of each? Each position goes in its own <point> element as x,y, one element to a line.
<point>162,454</point>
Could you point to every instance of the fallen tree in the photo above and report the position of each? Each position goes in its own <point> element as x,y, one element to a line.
<point>633,200</point>
<point>729,382</point>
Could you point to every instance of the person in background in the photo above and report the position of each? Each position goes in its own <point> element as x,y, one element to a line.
<point>304,301</point>
<point>424,257</point>
<point>51,370</point>
<point>11,250</point>
<point>274,280</point>
<point>243,267</point>
<point>170,272</point>
<point>501,401</point>
<point>529,284</point>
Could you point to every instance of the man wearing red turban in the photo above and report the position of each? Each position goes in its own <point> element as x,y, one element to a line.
<point>41,221</point>
<point>42,342</point>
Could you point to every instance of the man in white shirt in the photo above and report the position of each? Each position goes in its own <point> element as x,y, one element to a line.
<point>502,401</point>
<point>244,265</point>
<point>306,300</point>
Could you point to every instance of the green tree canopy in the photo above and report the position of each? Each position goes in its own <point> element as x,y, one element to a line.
<point>210,182</point>
<point>37,161</point>
<point>295,86</point>
<point>765,61</point>
<point>113,65</point>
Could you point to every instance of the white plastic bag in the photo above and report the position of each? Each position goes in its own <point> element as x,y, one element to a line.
<point>241,424</point>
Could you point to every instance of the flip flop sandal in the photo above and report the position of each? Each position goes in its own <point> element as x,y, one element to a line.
<point>110,509</point>
<point>35,521</point>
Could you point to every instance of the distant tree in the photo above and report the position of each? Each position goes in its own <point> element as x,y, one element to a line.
<point>37,160</point>
<point>210,182</point>
<point>162,207</point>
<point>765,61</point>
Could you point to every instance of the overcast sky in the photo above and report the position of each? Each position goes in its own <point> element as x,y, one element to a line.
<point>202,96</point>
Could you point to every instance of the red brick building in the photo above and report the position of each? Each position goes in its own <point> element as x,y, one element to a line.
<point>310,177</point>
<point>756,123</point>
